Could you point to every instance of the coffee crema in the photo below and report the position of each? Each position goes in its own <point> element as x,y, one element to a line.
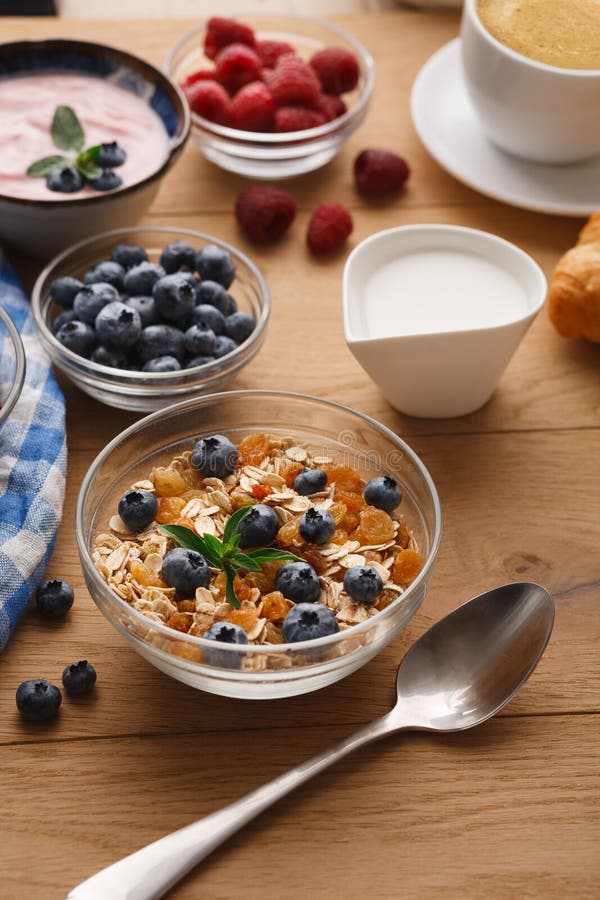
<point>563,33</point>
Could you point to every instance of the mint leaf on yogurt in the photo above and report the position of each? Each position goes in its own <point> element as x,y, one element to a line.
<point>66,129</point>
<point>45,165</point>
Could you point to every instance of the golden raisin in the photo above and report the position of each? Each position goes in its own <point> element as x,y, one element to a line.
<point>239,499</point>
<point>264,580</point>
<point>376,527</point>
<point>403,536</point>
<point>143,576</point>
<point>339,536</point>
<point>168,482</point>
<point>169,509</point>
<point>288,536</point>
<point>407,566</point>
<point>351,500</point>
<point>261,491</point>
<point>275,607</point>
<point>345,478</point>
<point>314,559</point>
<point>219,583</point>
<point>337,511</point>
<point>186,606</point>
<point>181,621</point>
<point>350,523</point>
<point>253,449</point>
<point>243,591</point>
<point>246,617</point>
<point>289,471</point>
<point>185,522</point>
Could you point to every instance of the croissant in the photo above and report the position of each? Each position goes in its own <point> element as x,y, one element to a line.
<point>574,293</point>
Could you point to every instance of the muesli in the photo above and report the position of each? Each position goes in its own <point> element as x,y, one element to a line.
<point>310,548</point>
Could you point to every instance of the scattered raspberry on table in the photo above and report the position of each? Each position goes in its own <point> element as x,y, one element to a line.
<point>265,213</point>
<point>329,227</point>
<point>379,171</point>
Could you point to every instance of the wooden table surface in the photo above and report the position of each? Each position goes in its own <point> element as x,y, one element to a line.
<point>510,810</point>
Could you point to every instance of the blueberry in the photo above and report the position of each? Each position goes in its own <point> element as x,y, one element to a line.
<point>66,180</point>
<point>137,509</point>
<point>232,305</point>
<point>215,456</point>
<point>107,356</point>
<point>239,326</point>
<point>224,633</point>
<point>146,309</point>
<point>110,156</point>
<point>223,346</point>
<point>298,582</point>
<point>198,361</point>
<point>162,364</point>
<point>259,527</point>
<point>185,570</point>
<point>129,255</point>
<point>308,621</point>
<point>92,298</point>
<point>310,481</point>
<point>316,526</point>
<point>209,317</point>
<point>67,315</point>
<point>140,279</point>
<point>215,264</point>
<point>63,290</point>
<point>189,277</point>
<point>199,342</point>
<point>118,325</point>
<point>383,492</point>
<point>210,293</point>
<point>38,700</point>
<point>176,255</point>
<point>54,598</point>
<point>107,271</point>
<point>174,298</point>
<point>77,337</point>
<point>363,583</point>
<point>160,340</point>
<point>79,678</point>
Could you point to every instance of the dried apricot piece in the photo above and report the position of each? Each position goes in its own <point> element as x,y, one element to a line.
<point>181,621</point>
<point>376,527</point>
<point>169,509</point>
<point>261,491</point>
<point>168,482</point>
<point>275,607</point>
<point>143,576</point>
<point>246,617</point>
<point>344,477</point>
<point>407,566</point>
<point>253,449</point>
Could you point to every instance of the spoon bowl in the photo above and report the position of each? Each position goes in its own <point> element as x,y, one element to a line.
<point>472,662</point>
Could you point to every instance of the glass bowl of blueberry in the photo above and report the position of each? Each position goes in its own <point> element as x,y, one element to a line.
<point>141,317</point>
<point>272,96</point>
<point>258,544</point>
<point>12,365</point>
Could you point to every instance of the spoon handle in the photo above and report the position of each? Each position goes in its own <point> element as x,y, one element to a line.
<point>148,873</point>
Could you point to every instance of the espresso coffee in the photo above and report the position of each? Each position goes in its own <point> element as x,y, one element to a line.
<point>563,33</point>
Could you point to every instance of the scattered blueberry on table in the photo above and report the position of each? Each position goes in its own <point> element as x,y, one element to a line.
<point>38,700</point>
<point>54,598</point>
<point>79,678</point>
<point>130,313</point>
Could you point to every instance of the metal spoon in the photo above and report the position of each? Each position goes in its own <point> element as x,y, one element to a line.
<point>458,674</point>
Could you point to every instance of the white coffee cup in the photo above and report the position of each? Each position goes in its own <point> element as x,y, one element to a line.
<point>539,112</point>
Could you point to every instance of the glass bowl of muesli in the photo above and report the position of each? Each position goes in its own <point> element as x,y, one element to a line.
<point>258,544</point>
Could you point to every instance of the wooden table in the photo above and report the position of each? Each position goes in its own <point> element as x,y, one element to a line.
<point>509,810</point>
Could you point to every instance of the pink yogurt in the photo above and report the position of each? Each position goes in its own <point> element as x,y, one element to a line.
<point>106,111</point>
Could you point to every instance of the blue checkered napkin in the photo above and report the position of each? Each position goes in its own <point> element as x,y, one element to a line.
<point>33,462</point>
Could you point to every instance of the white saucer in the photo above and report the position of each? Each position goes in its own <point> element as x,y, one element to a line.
<point>447,125</point>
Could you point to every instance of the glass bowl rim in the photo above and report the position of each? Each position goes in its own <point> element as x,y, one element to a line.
<point>273,139</point>
<point>255,649</point>
<point>20,366</point>
<point>159,379</point>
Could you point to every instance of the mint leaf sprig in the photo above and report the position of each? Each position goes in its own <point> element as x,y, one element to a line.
<point>226,554</point>
<point>68,135</point>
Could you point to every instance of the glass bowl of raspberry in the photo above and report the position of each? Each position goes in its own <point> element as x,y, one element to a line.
<point>12,365</point>
<point>141,317</point>
<point>276,469</point>
<point>272,96</point>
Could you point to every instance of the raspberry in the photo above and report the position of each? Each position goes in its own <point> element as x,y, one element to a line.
<point>336,68</point>
<point>210,100</point>
<point>252,108</point>
<point>379,171</point>
<point>221,32</point>
<point>236,66</point>
<point>270,51</point>
<point>329,226</point>
<point>331,106</point>
<point>199,75</point>
<point>293,82</point>
<point>296,118</point>
<point>265,213</point>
